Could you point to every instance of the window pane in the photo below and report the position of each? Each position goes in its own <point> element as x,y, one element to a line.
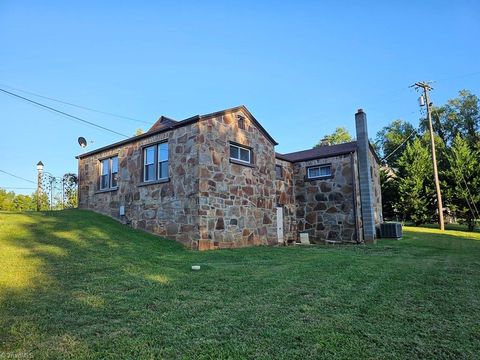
<point>163,170</point>
<point>114,179</point>
<point>234,152</point>
<point>245,155</point>
<point>313,172</point>
<point>320,171</point>
<point>325,171</point>
<point>105,167</point>
<point>114,164</point>
<point>104,180</point>
<point>149,172</point>
<point>149,155</point>
<point>163,152</point>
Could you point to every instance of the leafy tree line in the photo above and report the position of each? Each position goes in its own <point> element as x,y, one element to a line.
<point>9,201</point>
<point>339,136</point>
<point>408,191</point>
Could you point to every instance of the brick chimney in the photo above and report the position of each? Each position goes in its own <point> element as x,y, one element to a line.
<point>365,177</point>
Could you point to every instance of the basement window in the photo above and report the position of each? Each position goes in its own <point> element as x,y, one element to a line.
<point>109,173</point>
<point>239,153</point>
<point>318,172</point>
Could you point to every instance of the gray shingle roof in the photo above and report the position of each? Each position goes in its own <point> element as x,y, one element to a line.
<point>319,152</point>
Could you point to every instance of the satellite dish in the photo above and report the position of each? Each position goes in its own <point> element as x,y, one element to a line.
<point>82,142</point>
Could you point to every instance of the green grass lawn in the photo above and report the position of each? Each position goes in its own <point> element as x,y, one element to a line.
<point>75,284</point>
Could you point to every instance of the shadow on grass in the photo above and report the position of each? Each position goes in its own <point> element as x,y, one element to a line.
<point>81,285</point>
<point>76,270</point>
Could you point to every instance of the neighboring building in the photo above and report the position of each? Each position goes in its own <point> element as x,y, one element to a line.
<point>215,181</point>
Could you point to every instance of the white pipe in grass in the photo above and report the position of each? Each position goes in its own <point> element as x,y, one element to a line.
<point>195,267</point>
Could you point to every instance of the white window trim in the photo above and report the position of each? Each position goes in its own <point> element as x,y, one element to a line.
<point>318,167</point>
<point>238,159</point>
<point>156,162</point>
<point>145,162</point>
<point>109,173</point>
<point>160,162</point>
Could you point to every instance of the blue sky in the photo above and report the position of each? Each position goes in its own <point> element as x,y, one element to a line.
<point>301,67</point>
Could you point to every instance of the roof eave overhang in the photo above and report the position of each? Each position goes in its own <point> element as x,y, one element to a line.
<point>317,157</point>
<point>179,124</point>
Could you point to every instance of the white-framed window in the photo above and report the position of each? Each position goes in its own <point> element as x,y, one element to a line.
<point>320,171</point>
<point>155,162</point>
<point>162,161</point>
<point>109,173</point>
<point>114,178</point>
<point>149,163</point>
<point>240,153</point>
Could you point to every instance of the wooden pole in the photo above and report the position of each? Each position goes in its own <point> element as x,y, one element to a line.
<point>426,88</point>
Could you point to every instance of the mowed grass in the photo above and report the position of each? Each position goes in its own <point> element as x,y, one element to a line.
<point>75,284</point>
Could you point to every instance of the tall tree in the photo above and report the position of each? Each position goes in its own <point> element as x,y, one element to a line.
<point>390,194</point>
<point>464,176</point>
<point>339,136</point>
<point>415,190</point>
<point>460,116</point>
<point>392,139</point>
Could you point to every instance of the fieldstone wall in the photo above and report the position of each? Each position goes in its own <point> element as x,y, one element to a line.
<point>325,207</point>
<point>285,197</point>
<point>209,201</point>
<point>169,209</point>
<point>377,190</point>
<point>236,202</point>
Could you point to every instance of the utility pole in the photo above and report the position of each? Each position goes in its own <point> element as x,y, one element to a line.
<point>426,88</point>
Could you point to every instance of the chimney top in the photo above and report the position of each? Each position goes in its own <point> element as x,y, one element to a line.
<point>360,110</point>
<point>325,141</point>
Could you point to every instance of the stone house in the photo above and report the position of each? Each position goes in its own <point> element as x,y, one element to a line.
<point>215,181</point>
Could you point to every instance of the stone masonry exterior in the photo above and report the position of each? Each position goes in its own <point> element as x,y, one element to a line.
<point>214,181</point>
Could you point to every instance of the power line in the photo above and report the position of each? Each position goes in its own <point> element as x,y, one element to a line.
<point>471,197</point>
<point>16,176</point>
<point>399,146</point>
<point>476,213</point>
<point>77,106</point>
<point>459,172</point>
<point>63,113</point>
